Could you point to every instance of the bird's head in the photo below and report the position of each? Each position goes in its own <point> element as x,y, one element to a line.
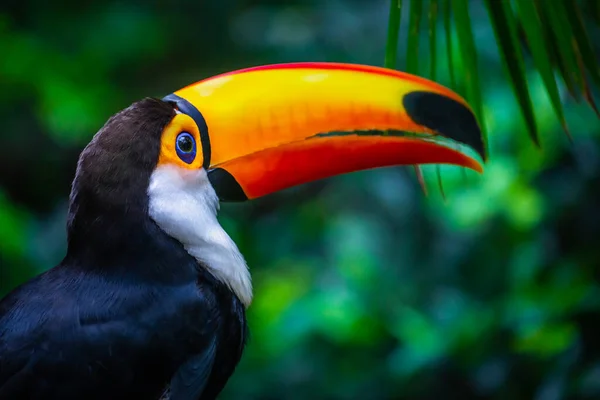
<point>245,134</point>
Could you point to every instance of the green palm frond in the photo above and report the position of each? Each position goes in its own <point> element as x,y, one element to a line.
<point>553,36</point>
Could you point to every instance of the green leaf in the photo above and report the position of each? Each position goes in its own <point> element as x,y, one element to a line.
<point>587,92</point>
<point>505,30</point>
<point>412,48</point>
<point>558,63</point>
<point>448,31</point>
<point>582,40</point>
<point>535,36</point>
<point>438,172</point>
<point>469,53</point>
<point>583,51</point>
<point>421,179</point>
<point>433,12</point>
<point>391,46</point>
<point>555,19</point>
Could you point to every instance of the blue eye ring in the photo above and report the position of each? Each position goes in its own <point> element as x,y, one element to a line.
<point>185,145</point>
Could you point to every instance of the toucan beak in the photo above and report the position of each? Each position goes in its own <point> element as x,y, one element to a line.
<point>268,128</point>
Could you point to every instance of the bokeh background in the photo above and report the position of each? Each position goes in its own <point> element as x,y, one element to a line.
<point>366,288</point>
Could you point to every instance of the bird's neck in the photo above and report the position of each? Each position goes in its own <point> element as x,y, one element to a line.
<point>157,235</point>
<point>123,240</point>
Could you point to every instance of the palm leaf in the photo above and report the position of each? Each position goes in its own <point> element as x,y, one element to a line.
<point>505,30</point>
<point>433,13</point>
<point>534,33</point>
<point>391,48</point>
<point>466,43</point>
<point>412,47</point>
<point>449,46</point>
<point>582,40</point>
<point>555,35</point>
<point>555,17</point>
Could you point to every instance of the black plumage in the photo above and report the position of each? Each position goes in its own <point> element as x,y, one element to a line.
<point>128,313</point>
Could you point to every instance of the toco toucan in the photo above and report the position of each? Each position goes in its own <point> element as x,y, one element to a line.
<point>149,301</point>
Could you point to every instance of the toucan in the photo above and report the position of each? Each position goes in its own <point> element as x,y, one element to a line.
<point>150,299</point>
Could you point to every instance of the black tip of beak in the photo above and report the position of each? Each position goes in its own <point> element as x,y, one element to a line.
<point>445,116</point>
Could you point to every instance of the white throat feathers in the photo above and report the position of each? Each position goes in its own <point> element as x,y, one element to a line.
<point>184,204</point>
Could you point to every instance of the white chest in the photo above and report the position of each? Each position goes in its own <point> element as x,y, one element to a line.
<point>184,205</point>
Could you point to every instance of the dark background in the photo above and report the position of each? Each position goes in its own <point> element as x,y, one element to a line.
<point>365,287</point>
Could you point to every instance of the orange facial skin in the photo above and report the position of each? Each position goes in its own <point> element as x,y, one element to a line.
<point>168,153</point>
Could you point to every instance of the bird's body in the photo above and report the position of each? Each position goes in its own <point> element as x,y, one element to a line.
<point>129,311</point>
<point>115,336</point>
<point>150,300</point>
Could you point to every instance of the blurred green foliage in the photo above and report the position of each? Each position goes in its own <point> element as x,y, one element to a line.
<point>365,288</point>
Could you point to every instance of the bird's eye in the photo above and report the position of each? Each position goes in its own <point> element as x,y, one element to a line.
<point>186,147</point>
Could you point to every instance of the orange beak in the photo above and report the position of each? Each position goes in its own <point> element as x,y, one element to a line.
<point>268,128</point>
